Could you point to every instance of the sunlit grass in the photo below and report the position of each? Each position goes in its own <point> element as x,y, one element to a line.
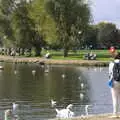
<point>104,55</point>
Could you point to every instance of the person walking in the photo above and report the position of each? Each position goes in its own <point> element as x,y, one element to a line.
<point>114,77</point>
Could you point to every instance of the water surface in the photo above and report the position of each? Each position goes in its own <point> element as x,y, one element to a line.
<point>64,83</point>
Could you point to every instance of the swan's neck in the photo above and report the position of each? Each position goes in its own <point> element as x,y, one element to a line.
<point>8,115</point>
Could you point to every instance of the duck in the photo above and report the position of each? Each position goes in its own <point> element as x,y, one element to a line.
<point>46,71</point>
<point>63,75</point>
<point>33,72</point>
<point>79,77</point>
<point>15,72</point>
<point>81,96</point>
<point>82,85</point>
<point>42,63</point>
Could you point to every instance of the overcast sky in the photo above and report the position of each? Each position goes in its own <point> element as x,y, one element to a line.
<point>106,10</point>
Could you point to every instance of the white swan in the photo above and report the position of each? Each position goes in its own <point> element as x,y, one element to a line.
<point>14,106</point>
<point>10,114</point>
<point>65,113</point>
<point>70,106</point>
<point>86,109</point>
<point>53,103</point>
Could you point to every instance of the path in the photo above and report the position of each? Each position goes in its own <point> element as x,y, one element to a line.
<point>93,117</point>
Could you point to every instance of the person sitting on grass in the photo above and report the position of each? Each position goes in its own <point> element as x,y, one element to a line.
<point>47,55</point>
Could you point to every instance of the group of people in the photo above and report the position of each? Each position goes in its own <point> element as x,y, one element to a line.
<point>90,56</point>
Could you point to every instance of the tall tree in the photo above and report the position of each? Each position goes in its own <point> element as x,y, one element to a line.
<point>71,17</point>
<point>90,37</point>
<point>107,34</point>
<point>6,9</point>
<point>22,25</point>
<point>25,28</point>
<point>44,23</point>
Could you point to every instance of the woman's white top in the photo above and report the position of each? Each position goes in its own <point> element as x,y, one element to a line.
<point>111,64</point>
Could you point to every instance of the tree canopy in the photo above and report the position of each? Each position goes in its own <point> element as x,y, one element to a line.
<point>71,16</point>
<point>63,24</point>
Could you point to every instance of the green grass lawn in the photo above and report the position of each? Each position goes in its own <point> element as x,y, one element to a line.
<point>104,55</point>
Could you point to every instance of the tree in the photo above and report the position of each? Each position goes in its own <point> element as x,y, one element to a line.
<point>22,25</point>
<point>6,31</point>
<point>90,37</point>
<point>25,29</point>
<point>44,23</point>
<point>71,16</point>
<point>107,34</point>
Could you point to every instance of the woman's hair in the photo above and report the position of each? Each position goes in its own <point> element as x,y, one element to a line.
<point>117,56</point>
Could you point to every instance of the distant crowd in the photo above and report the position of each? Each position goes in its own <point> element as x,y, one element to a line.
<point>14,51</point>
<point>19,52</point>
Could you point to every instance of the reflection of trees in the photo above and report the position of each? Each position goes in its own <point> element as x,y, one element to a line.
<point>68,89</point>
<point>44,86</point>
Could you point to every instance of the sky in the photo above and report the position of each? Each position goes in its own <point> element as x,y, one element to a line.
<point>106,10</point>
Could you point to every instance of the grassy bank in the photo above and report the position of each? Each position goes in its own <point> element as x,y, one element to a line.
<point>53,61</point>
<point>103,55</point>
<point>74,57</point>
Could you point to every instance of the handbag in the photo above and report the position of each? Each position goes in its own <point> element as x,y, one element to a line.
<point>110,83</point>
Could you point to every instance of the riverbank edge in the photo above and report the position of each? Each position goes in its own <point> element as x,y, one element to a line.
<point>107,116</point>
<point>51,61</point>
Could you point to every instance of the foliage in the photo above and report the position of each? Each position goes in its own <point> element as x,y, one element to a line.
<point>6,31</point>
<point>90,37</point>
<point>107,34</point>
<point>22,26</point>
<point>71,16</point>
<point>56,24</point>
<point>44,24</point>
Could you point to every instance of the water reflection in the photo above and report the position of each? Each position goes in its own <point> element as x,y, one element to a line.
<point>66,84</point>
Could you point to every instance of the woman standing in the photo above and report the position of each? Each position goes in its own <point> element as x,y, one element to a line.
<point>114,74</point>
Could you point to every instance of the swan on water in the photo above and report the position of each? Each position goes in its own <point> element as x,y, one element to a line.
<point>14,106</point>
<point>86,109</point>
<point>53,103</point>
<point>8,115</point>
<point>65,113</point>
<point>33,72</point>
<point>63,75</point>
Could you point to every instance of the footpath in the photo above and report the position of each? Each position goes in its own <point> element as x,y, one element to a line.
<point>92,117</point>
